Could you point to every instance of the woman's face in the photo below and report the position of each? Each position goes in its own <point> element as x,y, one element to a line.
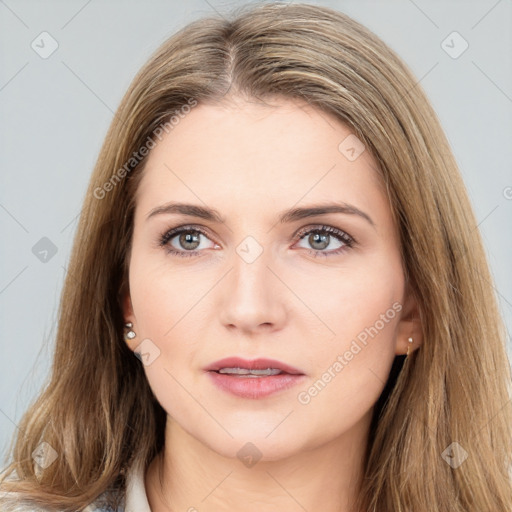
<point>267,281</point>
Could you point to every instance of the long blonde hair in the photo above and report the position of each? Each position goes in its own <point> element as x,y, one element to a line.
<point>98,412</point>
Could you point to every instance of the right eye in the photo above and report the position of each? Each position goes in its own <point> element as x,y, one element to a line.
<point>183,241</point>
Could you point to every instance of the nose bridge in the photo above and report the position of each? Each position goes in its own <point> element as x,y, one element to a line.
<point>251,296</point>
<point>251,277</point>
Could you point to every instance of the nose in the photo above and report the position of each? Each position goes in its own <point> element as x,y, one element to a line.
<point>252,296</point>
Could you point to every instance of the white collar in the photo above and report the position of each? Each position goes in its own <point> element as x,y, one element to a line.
<point>136,498</point>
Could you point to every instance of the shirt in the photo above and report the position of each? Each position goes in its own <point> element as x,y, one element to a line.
<point>136,498</point>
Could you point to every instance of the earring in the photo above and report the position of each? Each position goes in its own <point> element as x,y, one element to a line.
<point>408,347</point>
<point>130,334</point>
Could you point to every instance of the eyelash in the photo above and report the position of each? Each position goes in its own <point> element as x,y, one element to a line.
<point>341,236</point>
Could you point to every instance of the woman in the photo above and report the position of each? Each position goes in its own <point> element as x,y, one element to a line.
<point>277,229</point>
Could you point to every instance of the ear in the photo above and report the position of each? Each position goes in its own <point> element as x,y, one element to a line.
<point>127,308</point>
<point>409,325</point>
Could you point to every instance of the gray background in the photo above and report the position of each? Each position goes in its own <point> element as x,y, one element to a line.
<point>55,111</point>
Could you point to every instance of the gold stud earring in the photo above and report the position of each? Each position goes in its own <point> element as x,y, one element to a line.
<point>409,346</point>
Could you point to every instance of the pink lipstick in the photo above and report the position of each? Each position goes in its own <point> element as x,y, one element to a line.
<point>258,378</point>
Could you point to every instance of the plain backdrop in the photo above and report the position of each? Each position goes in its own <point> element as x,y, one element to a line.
<point>64,66</point>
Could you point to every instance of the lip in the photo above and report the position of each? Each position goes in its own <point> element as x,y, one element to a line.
<point>255,364</point>
<point>254,387</point>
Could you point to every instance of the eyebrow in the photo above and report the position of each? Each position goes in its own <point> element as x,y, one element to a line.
<point>291,215</point>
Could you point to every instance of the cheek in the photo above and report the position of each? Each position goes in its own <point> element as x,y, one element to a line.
<point>165,304</point>
<point>162,294</point>
<point>353,300</point>
<point>366,309</point>
<point>168,306</point>
<point>351,365</point>
<point>350,371</point>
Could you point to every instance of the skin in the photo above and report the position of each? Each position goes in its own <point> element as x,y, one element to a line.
<point>251,161</point>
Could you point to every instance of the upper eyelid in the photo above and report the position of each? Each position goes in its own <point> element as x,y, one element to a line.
<point>187,227</point>
<point>320,227</point>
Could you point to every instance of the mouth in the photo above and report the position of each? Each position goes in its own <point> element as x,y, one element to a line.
<point>244,372</point>
<point>252,368</point>
<point>253,379</point>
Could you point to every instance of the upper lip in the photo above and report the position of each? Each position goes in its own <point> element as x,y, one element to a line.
<point>255,364</point>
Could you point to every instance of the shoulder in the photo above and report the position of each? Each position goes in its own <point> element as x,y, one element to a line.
<point>13,502</point>
<point>101,505</point>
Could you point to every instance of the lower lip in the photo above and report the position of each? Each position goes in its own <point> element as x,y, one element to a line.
<point>254,387</point>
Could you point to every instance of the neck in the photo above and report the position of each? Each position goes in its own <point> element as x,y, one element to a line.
<point>190,476</point>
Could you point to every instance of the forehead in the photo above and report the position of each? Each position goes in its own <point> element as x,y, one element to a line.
<point>246,154</point>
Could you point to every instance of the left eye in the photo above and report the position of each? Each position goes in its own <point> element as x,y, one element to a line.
<point>321,237</point>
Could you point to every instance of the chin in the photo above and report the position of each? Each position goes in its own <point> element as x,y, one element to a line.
<point>254,442</point>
